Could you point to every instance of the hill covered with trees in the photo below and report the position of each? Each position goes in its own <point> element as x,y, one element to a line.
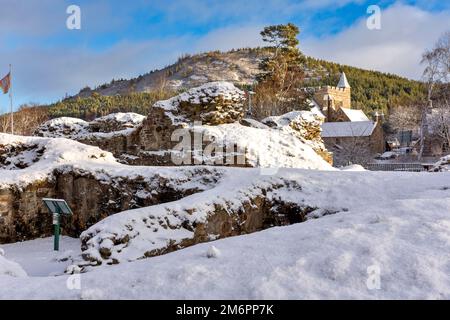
<point>371,90</point>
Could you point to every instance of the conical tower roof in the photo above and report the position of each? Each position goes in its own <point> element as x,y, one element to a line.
<point>343,83</point>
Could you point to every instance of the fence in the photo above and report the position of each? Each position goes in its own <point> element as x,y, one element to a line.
<point>412,167</point>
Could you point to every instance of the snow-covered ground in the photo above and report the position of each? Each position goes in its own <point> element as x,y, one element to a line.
<point>397,224</point>
<point>38,259</point>
<point>389,237</point>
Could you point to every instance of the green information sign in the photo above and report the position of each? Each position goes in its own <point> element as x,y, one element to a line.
<point>57,207</point>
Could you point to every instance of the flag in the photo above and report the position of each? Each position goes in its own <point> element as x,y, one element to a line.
<point>5,83</point>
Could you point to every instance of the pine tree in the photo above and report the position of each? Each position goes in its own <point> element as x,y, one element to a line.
<point>281,74</point>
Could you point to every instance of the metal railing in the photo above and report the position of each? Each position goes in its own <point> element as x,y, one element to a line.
<point>411,167</point>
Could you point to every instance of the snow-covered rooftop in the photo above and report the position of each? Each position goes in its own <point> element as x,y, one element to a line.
<point>315,108</point>
<point>355,114</point>
<point>343,83</point>
<point>347,129</point>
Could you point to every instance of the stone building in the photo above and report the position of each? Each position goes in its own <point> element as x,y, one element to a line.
<point>347,132</point>
<point>353,141</point>
<point>334,101</point>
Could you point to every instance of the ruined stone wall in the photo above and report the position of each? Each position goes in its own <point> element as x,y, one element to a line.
<point>23,216</point>
<point>256,213</point>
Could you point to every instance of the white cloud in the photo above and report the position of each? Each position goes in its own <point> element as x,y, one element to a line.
<point>405,33</point>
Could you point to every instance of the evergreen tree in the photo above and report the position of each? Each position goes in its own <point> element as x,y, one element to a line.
<point>281,74</point>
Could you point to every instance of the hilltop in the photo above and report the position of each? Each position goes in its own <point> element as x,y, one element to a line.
<point>237,66</point>
<point>371,90</point>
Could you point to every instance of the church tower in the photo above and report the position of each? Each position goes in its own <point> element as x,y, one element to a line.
<point>335,97</point>
<point>343,83</point>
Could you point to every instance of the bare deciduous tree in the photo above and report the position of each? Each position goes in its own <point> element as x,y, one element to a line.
<point>354,150</point>
<point>436,74</point>
<point>439,117</point>
<point>405,117</point>
<point>26,119</point>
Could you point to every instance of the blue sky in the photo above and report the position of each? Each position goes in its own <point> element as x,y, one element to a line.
<point>122,39</point>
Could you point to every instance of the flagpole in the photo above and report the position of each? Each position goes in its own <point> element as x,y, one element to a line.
<point>11,99</point>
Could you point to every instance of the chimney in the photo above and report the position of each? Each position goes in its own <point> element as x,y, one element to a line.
<point>379,116</point>
<point>328,98</point>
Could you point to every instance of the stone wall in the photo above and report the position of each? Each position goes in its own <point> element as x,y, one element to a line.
<point>23,216</point>
<point>377,141</point>
<point>22,213</point>
<point>341,98</point>
<point>151,142</point>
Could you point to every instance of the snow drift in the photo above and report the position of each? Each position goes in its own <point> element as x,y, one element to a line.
<point>395,223</point>
<point>442,165</point>
<point>10,268</point>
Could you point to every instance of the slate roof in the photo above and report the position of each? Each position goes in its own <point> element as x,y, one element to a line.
<point>348,129</point>
<point>355,115</point>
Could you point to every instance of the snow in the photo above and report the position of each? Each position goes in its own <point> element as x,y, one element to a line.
<point>10,268</point>
<point>123,117</point>
<point>347,129</point>
<point>38,259</point>
<point>288,118</point>
<point>56,153</point>
<point>343,82</point>
<point>68,155</point>
<point>353,167</point>
<point>388,155</point>
<point>78,129</point>
<point>72,128</point>
<point>305,125</point>
<point>396,223</point>
<point>355,115</point>
<point>443,164</point>
<point>267,147</point>
<point>213,252</point>
<point>315,108</point>
<point>198,78</point>
<point>60,153</point>
<point>151,228</point>
<point>199,95</point>
<point>254,123</point>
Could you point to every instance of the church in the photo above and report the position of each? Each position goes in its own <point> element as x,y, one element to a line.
<point>347,132</point>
